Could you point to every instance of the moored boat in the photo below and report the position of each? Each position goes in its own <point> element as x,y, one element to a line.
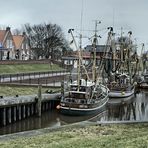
<point>121,66</point>
<point>144,81</point>
<point>85,95</point>
<point>142,78</point>
<point>88,98</point>
<point>121,88</point>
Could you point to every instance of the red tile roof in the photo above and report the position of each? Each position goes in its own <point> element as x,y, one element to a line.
<point>2,35</point>
<point>18,39</point>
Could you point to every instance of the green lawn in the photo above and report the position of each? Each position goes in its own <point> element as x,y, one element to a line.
<point>23,68</point>
<point>109,136</point>
<point>13,91</point>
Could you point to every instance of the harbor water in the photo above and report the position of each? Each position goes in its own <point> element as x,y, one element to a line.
<point>134,108</point>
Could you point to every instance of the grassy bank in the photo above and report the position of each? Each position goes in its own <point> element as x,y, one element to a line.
<point>109,136</point>
<point>23,68</point>
<point>12,91</point>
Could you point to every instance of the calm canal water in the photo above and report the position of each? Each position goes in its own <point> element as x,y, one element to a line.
<point>136,108</point>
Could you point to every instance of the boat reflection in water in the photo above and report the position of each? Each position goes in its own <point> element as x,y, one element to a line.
<point>134,109</point>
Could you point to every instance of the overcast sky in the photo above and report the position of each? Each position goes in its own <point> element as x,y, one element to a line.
<point>132,15</point>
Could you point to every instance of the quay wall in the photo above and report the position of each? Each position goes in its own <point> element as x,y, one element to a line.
<point>13,109</point>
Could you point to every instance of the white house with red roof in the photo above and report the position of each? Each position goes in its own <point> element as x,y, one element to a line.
<point>22,49</point>
<point>6,44</point>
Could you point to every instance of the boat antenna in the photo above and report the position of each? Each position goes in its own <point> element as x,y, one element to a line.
<point>80,50</point>
<point>80,47</point>
<point>81,18</point>
<point>113,17</point>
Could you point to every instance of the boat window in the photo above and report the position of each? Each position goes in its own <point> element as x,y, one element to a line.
<point>77,96</point>
<point>82,88</point>
<point>73,100</point>
<point>83,101</point>
<point>68,100</point>
<point>74,88</point>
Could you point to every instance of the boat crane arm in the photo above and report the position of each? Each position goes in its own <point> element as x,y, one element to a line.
<point>80,56</point>
<point>101,65</point>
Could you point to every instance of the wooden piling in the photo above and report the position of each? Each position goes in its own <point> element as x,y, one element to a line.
<point>28,110</point>
<point>47,106</point>
<point>32,109</point>
<point>19,113</point>
<point>14,113</point>
<point>9,115</point>
<point>24,111</point>
<point>4,116</point>
<point>39,100</point>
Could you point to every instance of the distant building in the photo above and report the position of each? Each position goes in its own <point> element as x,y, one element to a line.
<point>13,46</point>
<point>22,50</point>
<point>101,50</point>
<point>87,55</point>
<point>6,44</point>
<point>73,58</point>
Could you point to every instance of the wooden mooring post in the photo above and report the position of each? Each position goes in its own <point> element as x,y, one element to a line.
<point>4,116</point>
<point>39,100</point>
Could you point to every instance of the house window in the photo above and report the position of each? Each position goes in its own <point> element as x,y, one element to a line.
<point>9,44</point>
<point>22,46</point>
<point>27,45</point>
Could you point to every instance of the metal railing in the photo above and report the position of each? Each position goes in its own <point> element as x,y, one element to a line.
<point>20,77</point>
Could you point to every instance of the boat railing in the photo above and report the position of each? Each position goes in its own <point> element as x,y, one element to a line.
<point>99,95</point>
<point>84,102</point>
<point>103,100</point>
<point>106,88</point>
<point>118,86</point>
<point>76,101</point>
<point>79,92</point>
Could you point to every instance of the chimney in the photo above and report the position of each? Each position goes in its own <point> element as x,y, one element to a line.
<point>7,28</point>
<point>24,33</point>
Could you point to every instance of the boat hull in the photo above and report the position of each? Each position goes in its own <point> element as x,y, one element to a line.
<point>121,94</point>
<point>82,112</point>
<point>121,101</point>
<point>143,85</point>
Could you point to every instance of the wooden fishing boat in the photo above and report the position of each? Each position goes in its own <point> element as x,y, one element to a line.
<point>143,66</point>
<point>85,96</point>
<point>121,88</point>
<point>83,99</point>
<point>121,66</point>
<point>144,81</point>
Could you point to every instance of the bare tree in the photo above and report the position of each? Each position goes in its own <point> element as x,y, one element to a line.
<point>17,32</point>
<point>46,40</point>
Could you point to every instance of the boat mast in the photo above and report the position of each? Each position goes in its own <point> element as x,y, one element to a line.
<point>80,49</point>
<point>121,48</point>
<point>128,56</point>
<point>141,64</point>
<point>94,43</point>
<point>79,54</point>
<point>80,60</point>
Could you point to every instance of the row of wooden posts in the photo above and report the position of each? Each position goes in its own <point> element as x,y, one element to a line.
<point>12,113</point>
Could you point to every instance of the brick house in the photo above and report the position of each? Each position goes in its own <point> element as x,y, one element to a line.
<point>6,45</point>
<point>87,55</point>
<point>22,50</point>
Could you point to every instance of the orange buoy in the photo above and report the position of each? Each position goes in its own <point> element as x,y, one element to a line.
<point>58,107</point>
